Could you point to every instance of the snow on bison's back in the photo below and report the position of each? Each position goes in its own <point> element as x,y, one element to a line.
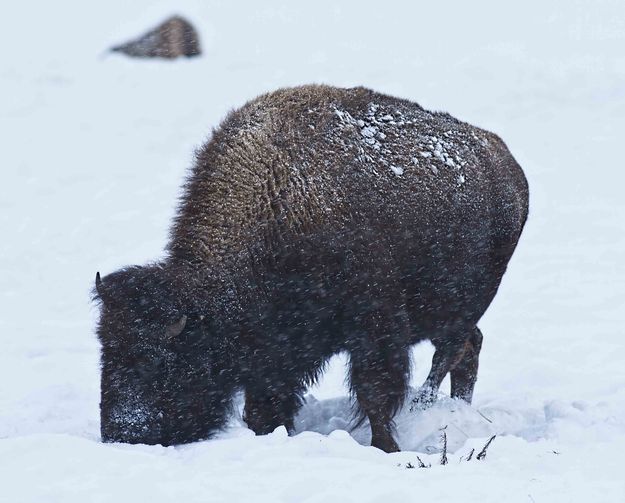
<point>315,220</point>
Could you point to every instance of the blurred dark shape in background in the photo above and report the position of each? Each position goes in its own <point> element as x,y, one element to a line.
<point>171,39</point>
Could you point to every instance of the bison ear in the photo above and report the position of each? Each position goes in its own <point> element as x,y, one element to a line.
<point>173,331</point>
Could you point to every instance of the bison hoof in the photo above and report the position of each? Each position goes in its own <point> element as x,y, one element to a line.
<point>386,444</point>
<point>266,425</point>
<point>425,398</point>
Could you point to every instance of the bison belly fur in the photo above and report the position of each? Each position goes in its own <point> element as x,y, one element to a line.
<point>315,220</point>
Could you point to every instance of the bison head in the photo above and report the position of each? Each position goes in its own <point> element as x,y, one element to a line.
<point>166,377</point>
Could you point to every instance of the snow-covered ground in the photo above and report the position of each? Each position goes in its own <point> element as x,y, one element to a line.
<point>95,148</point>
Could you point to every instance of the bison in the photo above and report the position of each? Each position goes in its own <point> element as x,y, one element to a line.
<point>173,38</point>
<point>316,220</point>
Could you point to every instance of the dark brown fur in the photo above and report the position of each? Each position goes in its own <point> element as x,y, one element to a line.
<point>318,220</point>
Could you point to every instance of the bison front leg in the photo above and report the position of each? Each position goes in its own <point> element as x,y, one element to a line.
<point>271,406</point>
<point>380,371</point>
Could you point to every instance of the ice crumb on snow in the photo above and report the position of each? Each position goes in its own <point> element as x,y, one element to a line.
<point>369,131</point>
<point>397,170</point>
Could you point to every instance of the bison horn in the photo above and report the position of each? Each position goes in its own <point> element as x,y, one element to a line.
<point>98,284</point>
<point>176,329</point>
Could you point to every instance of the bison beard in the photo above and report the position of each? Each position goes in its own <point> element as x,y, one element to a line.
<point>316,220</point>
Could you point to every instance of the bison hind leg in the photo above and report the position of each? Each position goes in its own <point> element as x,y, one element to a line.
<point>464,374</point>
<point>457,353</point>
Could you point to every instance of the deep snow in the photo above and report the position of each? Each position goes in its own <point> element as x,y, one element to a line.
<point>94,151</point>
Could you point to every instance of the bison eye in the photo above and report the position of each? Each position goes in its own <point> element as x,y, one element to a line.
<point>175,329</point>
<point>149,369</point>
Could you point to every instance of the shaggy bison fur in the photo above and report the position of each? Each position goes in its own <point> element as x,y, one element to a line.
<point>316,220</point>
